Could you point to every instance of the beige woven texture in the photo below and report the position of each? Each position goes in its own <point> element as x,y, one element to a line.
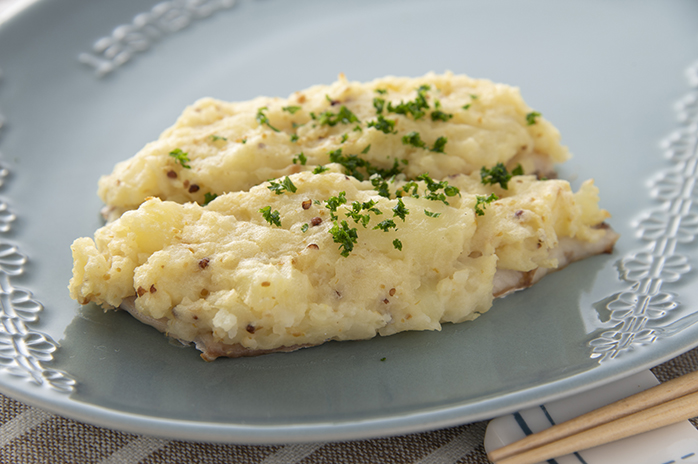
<point>30,436</point>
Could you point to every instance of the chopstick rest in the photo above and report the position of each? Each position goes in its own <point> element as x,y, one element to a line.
<point>652,408</point>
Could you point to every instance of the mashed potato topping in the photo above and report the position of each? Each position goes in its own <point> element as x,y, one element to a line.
<point>339,213</point>
<point>277,266</point>
<point>441,124</point>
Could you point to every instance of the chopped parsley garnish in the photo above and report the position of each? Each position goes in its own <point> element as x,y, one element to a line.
<point>320,169</point>
<point>345,116</point>
<point>387,126</point>
<point>415,107</point>
<point>356,208</point>
<point>438,115</point>
<point>433,188</point>
<point>371,206</point>
<point>518,171</point>
<point>294,137</point>
<point>413,138</point>
<point>304,227</point>
<point>244,140</point>
<point>272,218</point>
<point>291,109</point>
<point>431,214</point>
<point>281,187</point>
<point>300,159</point>
<point>209,197</point>
<point>497,175</point>
<point>352,164</point>
<point>355,214</point>
<point>386,225</point>
<point>473,96</point>
<point>365,150</point>
<point>262,119</point>
<point>381,91</point>
<point>333,203</point>
<point>345,137</point>
<point>405,189</point>
<point>465,107</point>
<point>400,210</point>
<point>380,185</point>
<point>181,157</point>
<point>531,118</point>
<point>357,128</point>
<point>345,236</point>
<point>378,104</point>
<point>397,244</point>
<point>482,203</point>
<point>439,145</point>
<point>216,138</point>
<point>384,173</point>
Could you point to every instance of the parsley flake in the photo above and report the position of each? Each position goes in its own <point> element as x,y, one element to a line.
<point>414,107</point>
<point>304,227</point>
<point>439,115</point>
<point>431,214</point>
<point>300,159</point>
<point>518,171</point>
<point>355,212</point>
<point>397,244</point>
<point>291,109</point>
<point>497,175</point>
<point>216,138</point>
<point>531,118</point>
<point>345,236</point>
<point>333,203</point>
<point>352,164</point>
<point>400,210</point>
<point>413,138</point>
<point>482,203</point>
<point>294,137</point>
<point>181,157</point>
<point>380,185</point>
<point>465,107</point>
<point>209,197</point>
<point>344,116</point>
<point>439,145</point>
<point>386,225</point>
<point>433,188</point>
<point>387,126</point>
<point>405,189</point>
<point>281,187</point>
<point>272,217</point>
<point>320,169</point>
<point>381,91</point>
<point>378,104</point>
<point>262,119</point>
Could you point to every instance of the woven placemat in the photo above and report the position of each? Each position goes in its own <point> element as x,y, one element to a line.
<point>29,435</point>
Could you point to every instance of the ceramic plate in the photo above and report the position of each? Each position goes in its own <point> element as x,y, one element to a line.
<point>87,83</point>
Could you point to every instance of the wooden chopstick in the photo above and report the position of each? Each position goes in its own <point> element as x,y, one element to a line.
<point>667,403</point>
